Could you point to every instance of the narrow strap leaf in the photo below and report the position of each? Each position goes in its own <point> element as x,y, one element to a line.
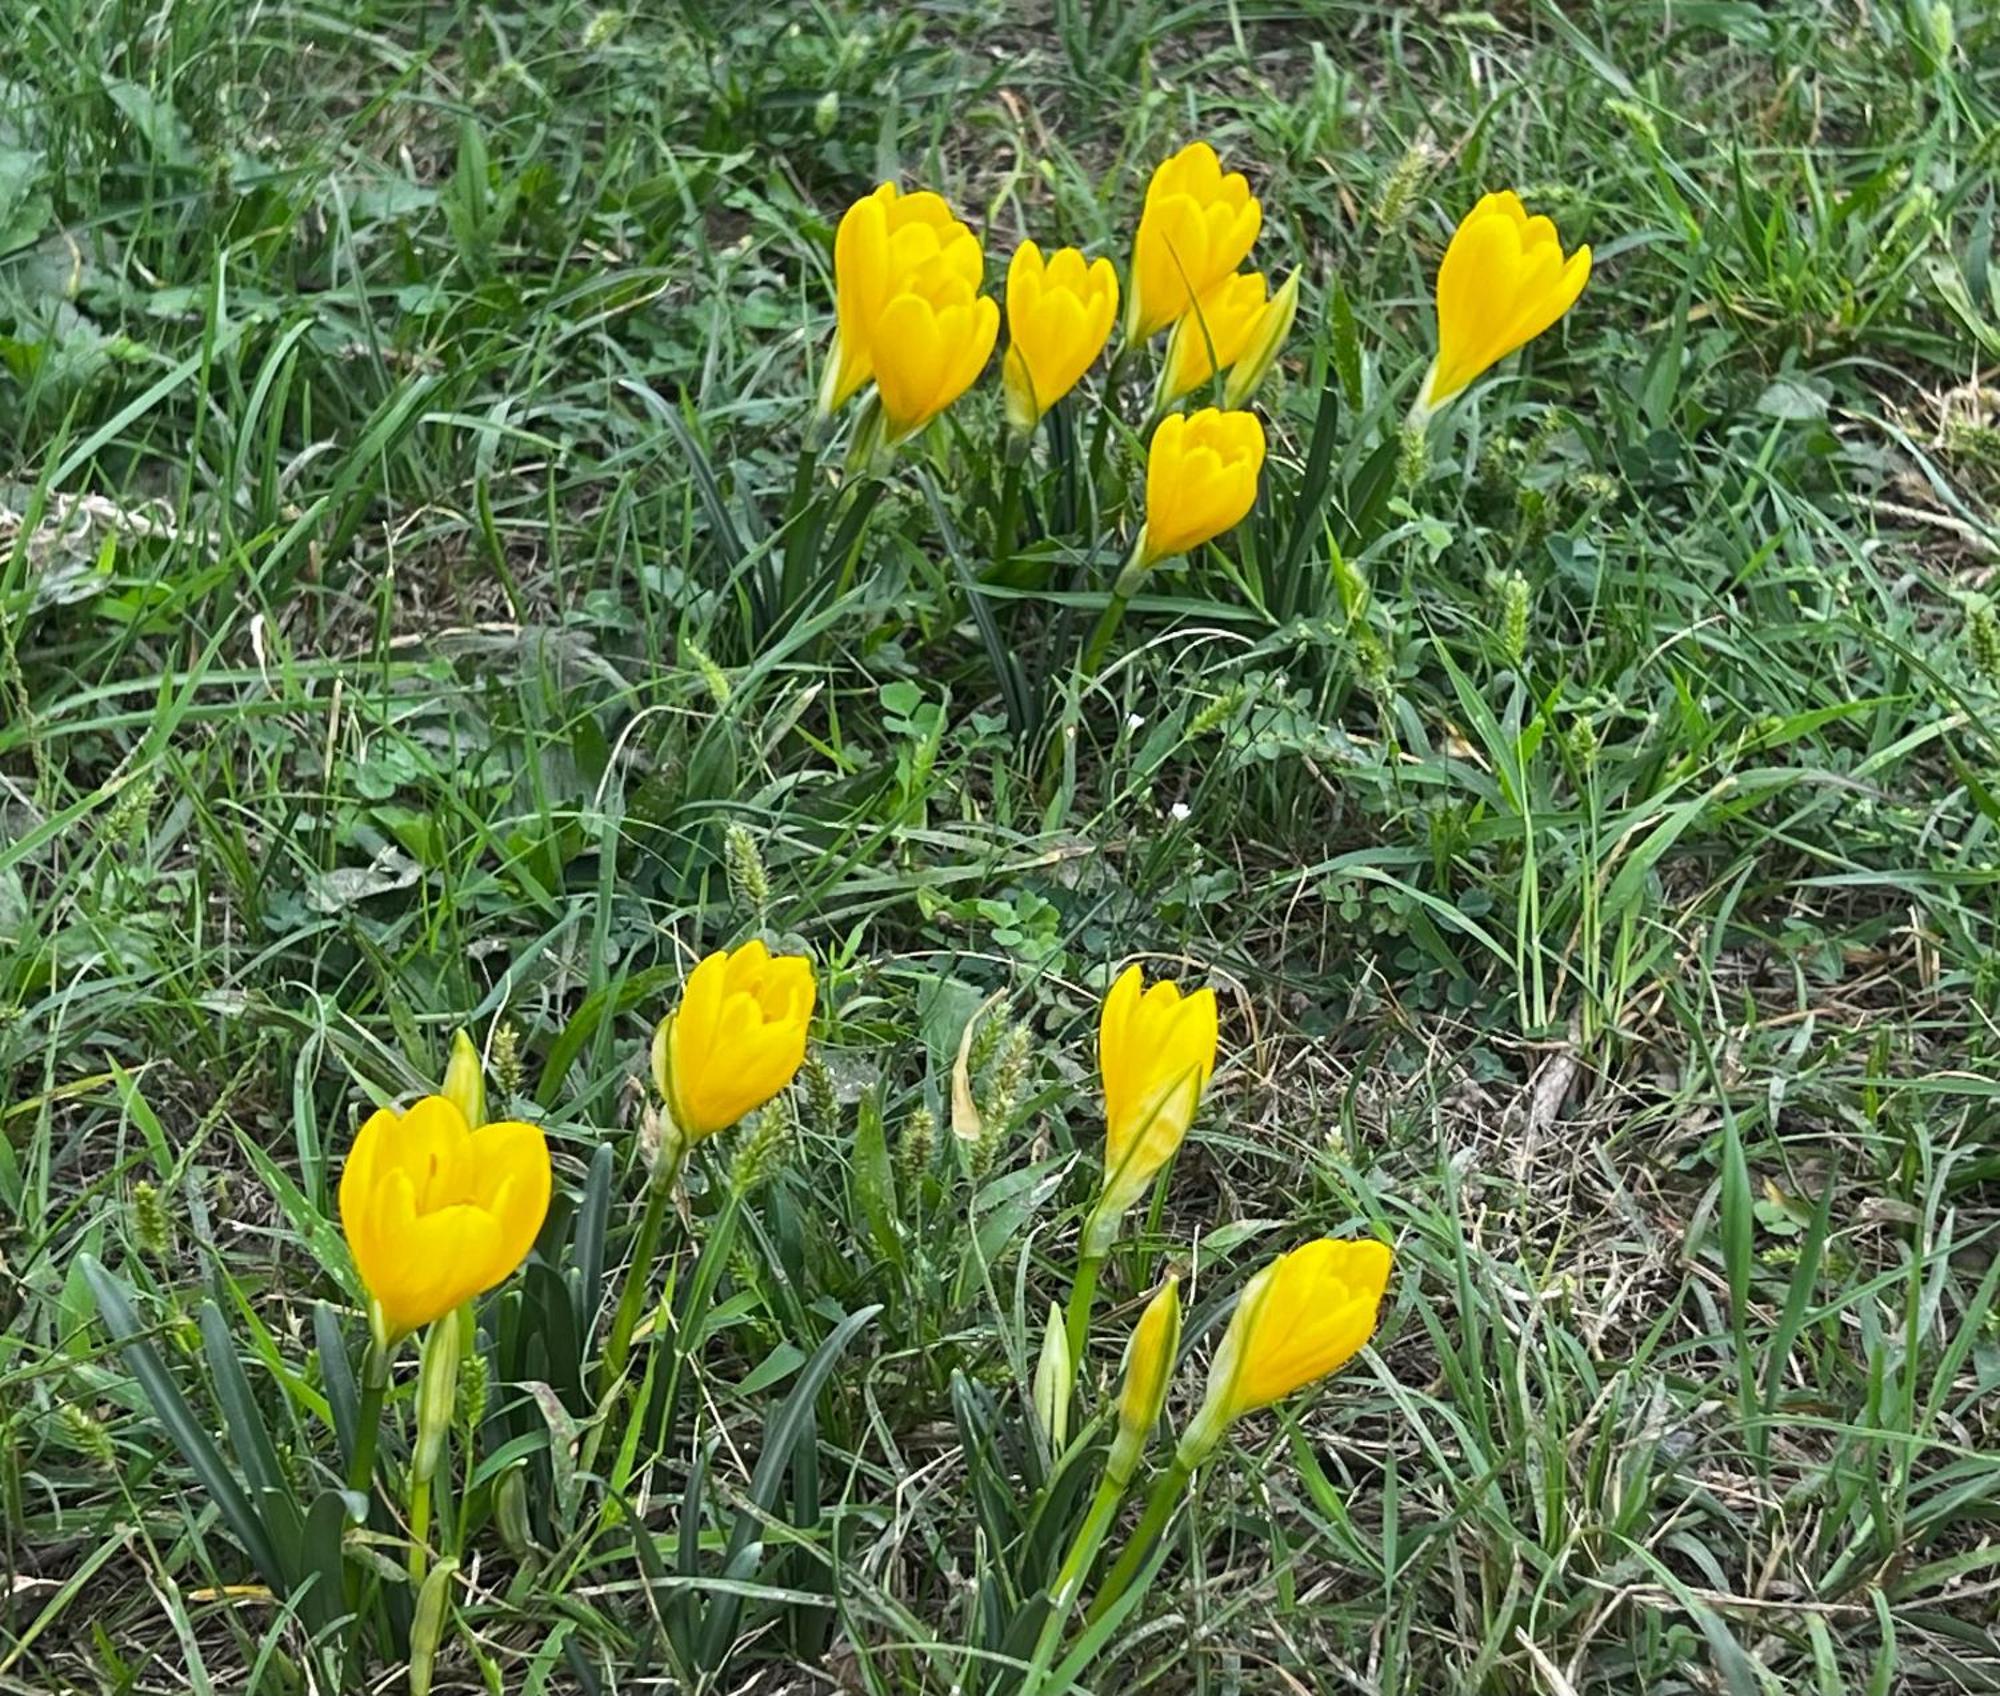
<point>171,1408</point>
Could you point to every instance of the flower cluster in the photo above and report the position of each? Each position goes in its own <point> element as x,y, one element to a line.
<point>909,315</point>
<point>1304,1316</point>
<point>440,1205</point>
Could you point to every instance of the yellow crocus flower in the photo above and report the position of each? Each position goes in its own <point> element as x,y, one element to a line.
<point>1305,1315</point>
<point>1197,227</point>
<point>932,340</point>
<point>884,238</point>
<point>1213,334</point>
<point>1503,281</point>
<point>1201,479</point>
<point>1156,1051</point>
<point>737,1038</point>
<point>436,1212</point>
<point>1059,315</point>
<point>1149,1363</point>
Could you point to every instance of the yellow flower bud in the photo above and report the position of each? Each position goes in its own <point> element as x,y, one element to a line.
<point>1155,1049</point>
<point>465,1081</point>
<point>882,239</point>
<point>737,1038</point>
<point>933,339</point>
<point>1196,228</point>
<point>1149,1363</point>
<point>1267,339</point>
<point>1059,315</point>
<point>1502,283</point>
<point>1212,335</point>
<point>436,1212</point>
<point>1307,1314</point>
<point>1201,479</point>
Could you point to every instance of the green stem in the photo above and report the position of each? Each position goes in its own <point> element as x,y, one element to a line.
<point>420,1532</point>
<point>374,1389</point>
<point>1077,1326</point>
<point>639,1273</point>
<point>1166,1496</point>
<point>1100,638</point>
<point>1070,1580</point>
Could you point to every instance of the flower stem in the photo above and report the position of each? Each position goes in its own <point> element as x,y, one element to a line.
<point>1166,1495</point>
<point>639,1274</point>
<point>1070,1580</point>
<point>420,1531</point>
<point>1077,1325</point>
<point>374,1389</point>
<point>1100,638</point>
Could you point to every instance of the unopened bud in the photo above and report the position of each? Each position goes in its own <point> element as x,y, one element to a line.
<point>510,1508</point>
<point>437,1395</point>
<point>465,1081</point>
<point>1053,1379</point>
<point>1149,1365</point>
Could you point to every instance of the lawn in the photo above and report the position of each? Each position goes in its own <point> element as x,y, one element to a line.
<point>435,597</point>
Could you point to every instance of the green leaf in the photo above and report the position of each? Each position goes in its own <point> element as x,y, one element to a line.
<point>186,1433</point>
<point>875,1179</point>
<point>1346,344</point>
<point>593,1217</point>
<point>320,1566</point>
<point>614,998</point>
<point>154,117</point>
<point>793,1423</point>
<point>1309,502</point>
<point>1739,1225</point>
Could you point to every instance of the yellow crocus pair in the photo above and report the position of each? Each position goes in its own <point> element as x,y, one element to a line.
<point>1197,227</point>
<point>907,308</point>
<point>1300,1319</point>
<point>439,1206</point>
<point>909,315</point>
<point>1303,1316</point>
